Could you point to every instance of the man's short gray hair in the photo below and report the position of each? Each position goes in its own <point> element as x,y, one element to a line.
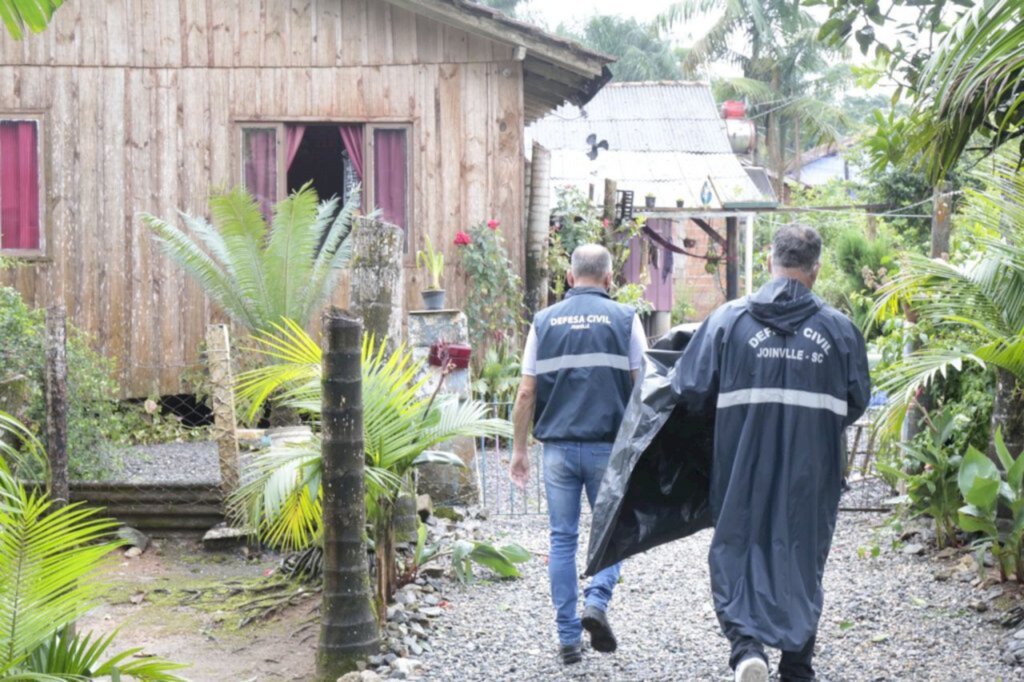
<point>797,247</point>
<point>591,261</point>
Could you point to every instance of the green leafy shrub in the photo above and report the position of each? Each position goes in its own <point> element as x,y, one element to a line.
<point>495,304</point>
<point>930,469</point>
<point>94,418</point>
<point>984,487</point>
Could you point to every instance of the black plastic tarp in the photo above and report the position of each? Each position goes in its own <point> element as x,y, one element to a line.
<point>656,486</point>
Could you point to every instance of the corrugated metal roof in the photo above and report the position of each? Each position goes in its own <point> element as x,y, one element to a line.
<point>640,117</point>
<point>665,138</point>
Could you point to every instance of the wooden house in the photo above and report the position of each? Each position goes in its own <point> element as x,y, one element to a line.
<point>126,106</point>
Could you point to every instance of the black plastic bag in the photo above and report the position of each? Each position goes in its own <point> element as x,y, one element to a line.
<point>656,486</point>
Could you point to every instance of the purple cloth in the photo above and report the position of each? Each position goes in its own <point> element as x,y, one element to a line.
<point>390,170</point>
<point>19,185</point>
<point>352,138</point>
<point>294,135</point>
<point>261,167</point>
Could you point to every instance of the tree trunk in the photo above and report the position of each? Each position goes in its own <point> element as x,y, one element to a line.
<point>1007,415</point>
<point>539,216</point>
<point>377,294</point>
<point>377,285</point>
<point>56,390</point>
<point>348,628</point>
<point>942,223</point>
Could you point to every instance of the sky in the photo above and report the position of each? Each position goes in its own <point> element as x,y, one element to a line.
<point>553,12</point>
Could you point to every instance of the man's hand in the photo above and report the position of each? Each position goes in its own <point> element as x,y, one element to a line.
<point>522,416</point>
<point>519,467</point>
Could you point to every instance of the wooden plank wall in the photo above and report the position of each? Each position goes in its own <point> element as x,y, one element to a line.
<point>140,99</point>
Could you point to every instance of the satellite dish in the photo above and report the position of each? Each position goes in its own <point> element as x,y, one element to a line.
<point>595,145</point>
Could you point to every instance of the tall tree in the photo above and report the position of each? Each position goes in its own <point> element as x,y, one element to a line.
<point>641,52</point>
<point>786,74</point>
<point>348,628</point>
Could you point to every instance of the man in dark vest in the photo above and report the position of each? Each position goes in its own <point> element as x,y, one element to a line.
<point>787,373</point>
<point>581,358</point>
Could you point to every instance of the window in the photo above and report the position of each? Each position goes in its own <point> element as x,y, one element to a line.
<point>279,158</point>
<point>19,187</point>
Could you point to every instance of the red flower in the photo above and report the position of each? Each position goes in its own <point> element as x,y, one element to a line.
<point>462,239</point>
<point>493,224</point>
<point>605,222</point>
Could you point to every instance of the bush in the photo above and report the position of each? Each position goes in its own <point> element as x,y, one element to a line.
<point>96,420</point>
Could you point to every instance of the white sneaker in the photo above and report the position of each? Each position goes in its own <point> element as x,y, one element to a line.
<point>752,669</point>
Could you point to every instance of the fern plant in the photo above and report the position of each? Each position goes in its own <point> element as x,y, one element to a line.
<point>262,274</point>
<point>401,427</point>
<point>48,562</point>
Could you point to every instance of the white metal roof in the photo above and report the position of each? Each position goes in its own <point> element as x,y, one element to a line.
<point>666,138</point>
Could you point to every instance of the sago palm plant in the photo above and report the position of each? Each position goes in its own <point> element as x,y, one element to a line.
<point>978,305</point>
<point>401,427</point>
<point>261,274</point>
<point>48,562</point>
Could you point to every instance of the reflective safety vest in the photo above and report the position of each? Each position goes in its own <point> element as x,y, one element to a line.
<point>583,379</point>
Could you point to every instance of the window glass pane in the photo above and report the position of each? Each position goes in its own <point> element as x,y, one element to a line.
<point>390,174</point>
<point>259,158</point>
<point>19,185</point>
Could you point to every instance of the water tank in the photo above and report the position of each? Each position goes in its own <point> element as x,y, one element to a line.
<point>733,109</point>
<point>742,135</point>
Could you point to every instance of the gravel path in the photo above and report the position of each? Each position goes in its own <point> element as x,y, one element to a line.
<point>887,618</point>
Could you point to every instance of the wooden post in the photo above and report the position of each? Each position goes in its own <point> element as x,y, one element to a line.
<point>732,257</point>
<point>218,358</point>
<point>348,627</point>
<point>537,224</point>
<point>56,393</point>
<point>611,188</point>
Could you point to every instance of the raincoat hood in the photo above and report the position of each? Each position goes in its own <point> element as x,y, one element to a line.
<point>783,304</point>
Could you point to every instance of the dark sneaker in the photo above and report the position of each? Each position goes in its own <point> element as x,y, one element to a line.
<point>571,653</point>
<point>596,623</point>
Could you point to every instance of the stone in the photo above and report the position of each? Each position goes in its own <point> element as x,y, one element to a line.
<point>432,571</point>
<point>417,629</point>
<point>133,553</point>
<point>375,661</point>
<point>360,676</point>
<point>415,649</point>
<point>431,611</point>
<point>405,597</point>
<point>133,537</point>
<point>913,549</point>
<point>390,658</point>
<point>942,575</point>
<point>407,665</point>
<point>222,536</point>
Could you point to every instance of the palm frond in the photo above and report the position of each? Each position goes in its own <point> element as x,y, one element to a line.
<point>333,255</point>
<point>47,559</point>
<point>195,262</point>
<point>237,215</point>
<point>291,248</point>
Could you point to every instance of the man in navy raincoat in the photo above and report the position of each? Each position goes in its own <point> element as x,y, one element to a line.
<point>786,373</point>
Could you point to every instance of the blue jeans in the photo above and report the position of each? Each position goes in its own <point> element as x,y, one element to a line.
<point>569,469</point>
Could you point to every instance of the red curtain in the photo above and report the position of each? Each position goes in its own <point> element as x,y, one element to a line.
<point>390,171</point>
<point>352,138</point>
<point>19,185</point>
<point>294,135</point>
<point>261,166</point>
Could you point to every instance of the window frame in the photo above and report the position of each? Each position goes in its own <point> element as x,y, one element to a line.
<point>367,187</point>
<point>370,153</point>
<point>40,118</point>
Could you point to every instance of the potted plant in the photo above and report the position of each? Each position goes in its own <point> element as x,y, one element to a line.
<point>432,263</point>
<point>679,203</point>
<point>649,200</point>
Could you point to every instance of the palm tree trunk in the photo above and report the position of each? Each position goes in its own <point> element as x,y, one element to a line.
<point>348,628</point>
<point>1007,415</point>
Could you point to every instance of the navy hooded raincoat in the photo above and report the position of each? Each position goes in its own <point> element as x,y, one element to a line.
<point>786,373</point>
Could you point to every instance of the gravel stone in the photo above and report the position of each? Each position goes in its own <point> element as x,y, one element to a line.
<point>885,619</point>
